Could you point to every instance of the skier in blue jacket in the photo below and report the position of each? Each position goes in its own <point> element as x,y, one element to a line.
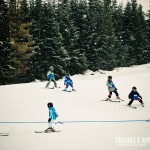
<point>52,117</point>
<point>68,82</point>
<point>134,95</point>
<point>51,77</point>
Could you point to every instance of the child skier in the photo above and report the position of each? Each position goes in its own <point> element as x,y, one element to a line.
<point>52,117</point>
<point>50,77</point>
<point>68,82</point>
<point>111,88</point>
<point>134,95</point>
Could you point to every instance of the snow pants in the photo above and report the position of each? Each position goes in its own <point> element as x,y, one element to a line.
<point>48,83</point>
<point>139,99</point>
<point>110,93</point>
<point>69,84</point>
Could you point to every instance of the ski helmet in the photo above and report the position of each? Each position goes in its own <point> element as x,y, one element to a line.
<point>109,77</point>
<point>134,88</point>
<point>67,74</point>
<point>49,104</point>
<point>51,67</point>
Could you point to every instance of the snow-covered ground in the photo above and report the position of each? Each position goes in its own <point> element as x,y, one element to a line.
<point>28,103</point>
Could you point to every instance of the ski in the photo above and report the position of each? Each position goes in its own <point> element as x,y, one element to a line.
<point>4,134</point>
<point>40,132</point>
<point>111,101</point>
<point>46,131</point>
<point>59,122</point>
<point>120,99</point>
<point>51,88</point>
<point>130,106</point>
<point>66,91</point>
<point>74,90</point>
<point>115,101</point>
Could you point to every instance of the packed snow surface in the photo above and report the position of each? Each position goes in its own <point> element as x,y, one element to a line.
<point>88,121</point>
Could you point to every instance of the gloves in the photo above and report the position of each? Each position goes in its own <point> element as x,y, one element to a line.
<point>49,120</point>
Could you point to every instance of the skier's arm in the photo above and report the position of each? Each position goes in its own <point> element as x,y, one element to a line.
<point>108,85</point>
<point>49,120</point>
<point>113,85</point>
<point>139,95</point>
<point>48,73</point>
<point>130,95</point>
<point>56,114</point>
<point>65,81</point>
<point>50,116</point>
<point>71,81</point>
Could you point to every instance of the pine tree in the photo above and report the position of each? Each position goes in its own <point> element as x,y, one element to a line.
<point>127,37</point>
<point>120,48</point>
<point>142,43</point>
<point>76,48</point>
<point>13,18</point>
<point>135,35</point>
<point>5,49</point>
<point>70,32</point>
<point>94,34</point>
<point>81,21</point>
<point>148,38</point>
<point>117,16</point>
<point>134,29</point>
<point>35,14</point>
<point>22,41</point>
<point>109,40</point>
<point>49,41</point>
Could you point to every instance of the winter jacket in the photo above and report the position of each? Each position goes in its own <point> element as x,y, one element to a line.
<point>134,95</point>
<point>52,113</point>
<point>50,75</point>
<point>111,86</point>
<point>68,81</point>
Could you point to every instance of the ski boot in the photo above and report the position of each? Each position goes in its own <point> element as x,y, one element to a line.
<point>118,97</point>
<point>52,129</point>
<point>142,104</point>
<point>64,89</point>
<point>48,130</point>
<point>108,99</point>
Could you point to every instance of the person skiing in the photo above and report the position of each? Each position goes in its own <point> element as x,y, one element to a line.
<point>50,77</point>
<point>111,88</point>
<point>52,117</point>
<point>134,95</point>
<point>68,82</point>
